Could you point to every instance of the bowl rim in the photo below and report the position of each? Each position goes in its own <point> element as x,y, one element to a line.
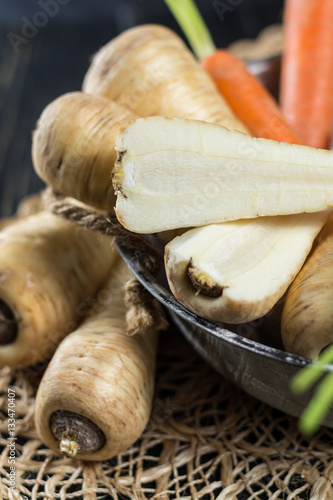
<point>166,298</point>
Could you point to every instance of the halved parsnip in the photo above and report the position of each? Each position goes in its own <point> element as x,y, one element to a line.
<point>189,173</point>
<point>235,272</point>
<point>73,146</point>
<point>150,70</point>
<point>307,315</point>
<point>49,269</point>
<point>95,398</point>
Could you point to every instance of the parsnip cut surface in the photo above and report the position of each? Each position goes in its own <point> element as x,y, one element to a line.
<point>236,271</point>
<point>189,173</point>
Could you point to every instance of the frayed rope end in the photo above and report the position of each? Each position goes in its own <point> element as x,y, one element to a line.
<point>144,311</point>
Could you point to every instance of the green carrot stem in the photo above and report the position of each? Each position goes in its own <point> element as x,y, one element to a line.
<point>194,27</point>
<point>306,377</point>
<point>318,407</point>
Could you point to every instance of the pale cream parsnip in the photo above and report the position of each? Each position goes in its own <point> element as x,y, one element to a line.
<point>190,173</point>
<point>150,70</point>
<point>235,272</point>
<point>49,268</point>
<point>73,146</point>
<point>95,398</point>
<point>307,316</point>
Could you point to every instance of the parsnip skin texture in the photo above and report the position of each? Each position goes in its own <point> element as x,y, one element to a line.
<point>150,70</point>
<point>73,146</point>
<point>307,316</point>
<point>190,173</point>
<point>102,373</point>
<point>48,269</point>
<point>252,262</point>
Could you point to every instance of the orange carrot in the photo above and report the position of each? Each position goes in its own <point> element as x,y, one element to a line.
<point>248,98</point>
<point>306,91</point>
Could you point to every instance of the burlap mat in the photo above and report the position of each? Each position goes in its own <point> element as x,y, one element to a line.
<point>206,440</point>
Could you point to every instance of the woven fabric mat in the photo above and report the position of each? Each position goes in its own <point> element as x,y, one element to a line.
<point>206,439</point>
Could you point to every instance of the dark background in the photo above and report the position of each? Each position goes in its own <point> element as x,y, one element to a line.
<point>35,70</point>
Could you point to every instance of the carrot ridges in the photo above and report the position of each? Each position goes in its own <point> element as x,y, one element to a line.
<point>307,69</point>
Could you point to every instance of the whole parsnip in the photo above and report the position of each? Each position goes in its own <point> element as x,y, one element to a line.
<point>73,146</point>
<point>95,398</point>
<point>49,268</point>
<point>307,316</point>
<point>150,70</point>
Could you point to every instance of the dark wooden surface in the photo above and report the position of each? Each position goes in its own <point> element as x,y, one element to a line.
<point>49,65</point>
<point>56,58</point>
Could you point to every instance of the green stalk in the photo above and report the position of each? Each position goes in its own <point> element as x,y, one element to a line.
<point>306,377</point>
<point>194,27</point>
<point>318,407</point>
<point>320,403</point>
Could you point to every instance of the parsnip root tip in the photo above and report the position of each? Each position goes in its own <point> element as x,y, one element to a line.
<point>68,448</point>
<point>8,324</point>
<point>203,283</point>
<point>76,433</point>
